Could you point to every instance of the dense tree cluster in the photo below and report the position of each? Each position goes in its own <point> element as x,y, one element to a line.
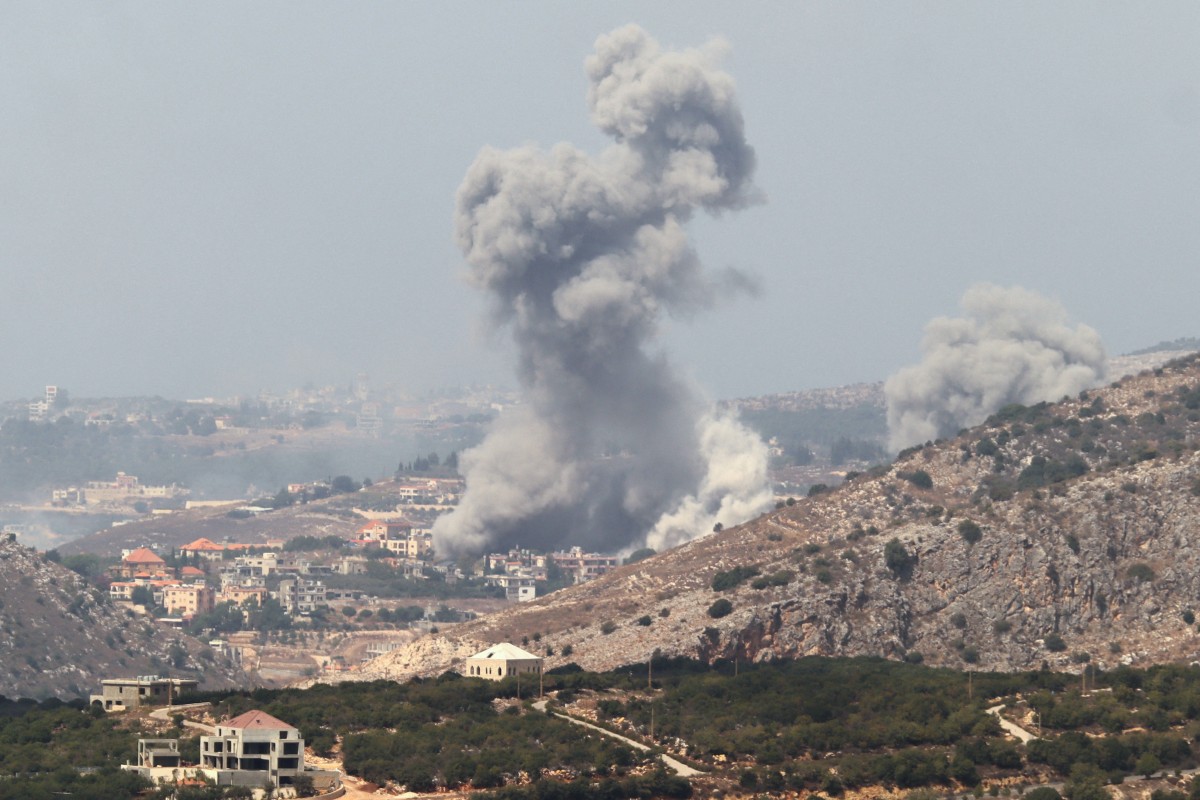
<point>813,725</point>
<point>445,732</point>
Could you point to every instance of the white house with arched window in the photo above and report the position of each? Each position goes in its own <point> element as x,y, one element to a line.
<point>502,661</point>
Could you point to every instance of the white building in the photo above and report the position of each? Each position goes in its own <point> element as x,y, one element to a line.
<point>502,661</point>
<point>254,743</point>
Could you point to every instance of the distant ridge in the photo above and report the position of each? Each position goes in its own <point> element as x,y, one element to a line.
<point>1183,344</point>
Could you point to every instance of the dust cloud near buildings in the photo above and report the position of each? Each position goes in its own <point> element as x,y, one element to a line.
<point>581,257</point>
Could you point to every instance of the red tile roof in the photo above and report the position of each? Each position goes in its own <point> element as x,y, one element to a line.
<point>256,720</point>
<point>202,544</point>
<point>143,555</point>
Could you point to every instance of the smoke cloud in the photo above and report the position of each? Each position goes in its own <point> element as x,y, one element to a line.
<point>582,256</point>
<point>1013,346</point>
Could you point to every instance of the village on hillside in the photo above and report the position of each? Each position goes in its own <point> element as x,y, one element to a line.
<point>289,608</point>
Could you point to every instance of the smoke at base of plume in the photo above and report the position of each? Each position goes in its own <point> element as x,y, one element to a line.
<point>1013,346</point>
<point>582,256</point>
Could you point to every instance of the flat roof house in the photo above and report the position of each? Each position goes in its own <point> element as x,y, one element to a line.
<point>120,694</point>
<point>158,753</point>
<point>502,661</point>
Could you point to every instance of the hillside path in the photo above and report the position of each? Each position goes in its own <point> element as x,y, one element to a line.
<point>1011,727</point>
<point>681,769</point>
<point>164,714</point>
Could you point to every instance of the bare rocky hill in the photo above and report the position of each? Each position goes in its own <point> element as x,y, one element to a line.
<point>59,636</point>
<point>1052,534</point>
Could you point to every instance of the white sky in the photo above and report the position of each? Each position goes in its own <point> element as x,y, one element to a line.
<point>214,198</point>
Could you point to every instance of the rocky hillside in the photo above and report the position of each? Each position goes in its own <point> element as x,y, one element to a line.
<point>59,636</point>
<point>1057,534</point>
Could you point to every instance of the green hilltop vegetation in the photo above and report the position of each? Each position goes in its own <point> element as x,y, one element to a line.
<point>815,725</point>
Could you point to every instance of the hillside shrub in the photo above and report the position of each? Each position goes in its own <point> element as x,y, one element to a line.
<point>897,559</point>
<point>1000,490</point>
<point>780,578</point>
<point>607,627</point>
<point>1140,572</point>
<point>1043,793</point>
<point>1042,471</point>
<point>919,478</point>
<point>729,579</point>
<point>720,608</point>
<point>970,531</point>
<point>1055,644</point>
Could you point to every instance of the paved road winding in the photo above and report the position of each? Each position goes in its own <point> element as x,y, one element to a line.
<point>1011,727</point>
<point>681,769</point>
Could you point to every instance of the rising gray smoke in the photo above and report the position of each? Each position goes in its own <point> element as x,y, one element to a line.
<point>582,256</point>
<point>1013,346</point>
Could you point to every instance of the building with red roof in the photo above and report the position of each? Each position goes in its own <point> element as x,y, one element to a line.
<point>142,560</point>
<point>254,747</point>
<point>203,548</point>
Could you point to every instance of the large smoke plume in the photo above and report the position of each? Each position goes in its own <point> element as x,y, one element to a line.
<point>1013,346</point>
<point>582,256</point>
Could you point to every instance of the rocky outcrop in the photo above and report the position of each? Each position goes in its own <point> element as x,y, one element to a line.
<point>1083,546</point>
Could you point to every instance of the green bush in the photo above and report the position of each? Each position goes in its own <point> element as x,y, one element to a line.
<point>1054,643</point>
<point>729,579</point>
<point>970,531</point>
<point>720,608</point>
<point>1043,793</point>
<point>1140,572</point>
<point>897,559</point>
<point>918,477</point>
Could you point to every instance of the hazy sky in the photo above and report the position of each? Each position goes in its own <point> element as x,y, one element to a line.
<point>213,198</point>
